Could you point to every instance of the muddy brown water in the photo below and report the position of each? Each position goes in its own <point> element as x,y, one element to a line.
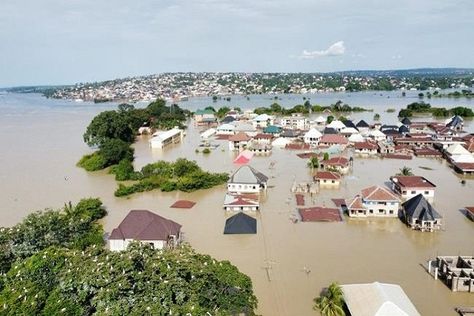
<point>37,170</point>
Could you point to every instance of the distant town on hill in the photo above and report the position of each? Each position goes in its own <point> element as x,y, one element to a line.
<point>180,86</point>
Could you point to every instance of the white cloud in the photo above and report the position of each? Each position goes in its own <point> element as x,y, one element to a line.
<point>335,49</point>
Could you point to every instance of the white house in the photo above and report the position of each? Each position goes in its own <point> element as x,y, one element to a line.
<point>377,135</point>
<point>320,121</point>
<point>294,122</point>
<point>208,133</point>
<point>337,125</point>
<point>241,202</point>
<point>312,137</point>
<point>262,121</point>
<point>374,201</point>
<point>162,139</point>
<point>225,129</point>
<point>247,180</point>
<point>410,186</point>
<point>377,299</point>
<point>145,227</point>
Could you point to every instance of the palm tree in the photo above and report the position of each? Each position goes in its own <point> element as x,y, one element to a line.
<point>331,302</point>
<point>405,171</point>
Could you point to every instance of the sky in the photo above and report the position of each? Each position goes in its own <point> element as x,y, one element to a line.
<point>70,41</point>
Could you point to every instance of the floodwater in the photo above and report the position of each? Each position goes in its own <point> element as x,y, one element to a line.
<point>41,141</point>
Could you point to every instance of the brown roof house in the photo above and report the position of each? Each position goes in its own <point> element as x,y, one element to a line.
<point>339,164</point>
<point>238,141</point>
<point>146,227</point>
<point>366,148</point>
<point>374,201</point>
<point>328,179</point>
<point>410,186</point>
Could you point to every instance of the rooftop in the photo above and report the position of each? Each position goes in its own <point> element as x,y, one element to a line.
<point>413,182</point>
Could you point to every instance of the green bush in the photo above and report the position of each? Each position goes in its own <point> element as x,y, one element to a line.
<point>92,162</point>
<point>206,151</point>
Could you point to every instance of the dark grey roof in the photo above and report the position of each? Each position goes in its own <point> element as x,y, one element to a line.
<point>362,123</point>
<point>349,123</point>
<point>406,121</point>
<point>403,129</point>
<point>455,121</point>
<point>240,223</point>
<point>329,130</point>
<point>391,132</point>
<point>247,174</point>
<point>290,133</point>
<point>388,127</point>
<point>418,207</point>
<point>228,119</point>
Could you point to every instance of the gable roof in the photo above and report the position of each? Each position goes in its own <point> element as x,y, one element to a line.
<point>272,129</point>
<point>240,200</point>
<point>413,182</point>
<point>327,175</point>
<point>349,123</point>
<point>313,133</point>
<point>365,145</point>
<point>377,299</point>
<point>356,203</point>
<point>336,161</point>
<point>239,137</point>
<point>418,207</point>
<point>377,193</point>
<point>405,121</point>
<point>262,117</point>
<point>456,149</point>
<point>228,119</point>
<point>333,139</point>
<point>247,174</point>
<point>362,123</point>
<point>145,225</point>
<point>240,223</point>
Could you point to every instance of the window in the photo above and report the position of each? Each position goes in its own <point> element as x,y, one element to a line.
<point>413,192</point>
<point>391,212</point>
<point>333,181</point>
<point>371,211</point>
<point>427,192</point>
<point>381,211</point>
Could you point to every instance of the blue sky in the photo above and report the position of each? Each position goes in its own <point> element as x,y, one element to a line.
<point>69,41</point>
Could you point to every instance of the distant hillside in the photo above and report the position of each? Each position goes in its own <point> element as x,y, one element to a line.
<point>432,72</point>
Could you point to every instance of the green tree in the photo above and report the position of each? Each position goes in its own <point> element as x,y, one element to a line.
<point>313,163</point>
<point>331,302</point>
<point>376,117</point>
<point>115,150</point>
<point>108,125</point>
<point>222,111</point>
<point>326,156</point>
<point>405,171</point>
<point>329,119</point>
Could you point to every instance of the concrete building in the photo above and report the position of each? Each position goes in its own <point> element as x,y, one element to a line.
<point>238,141</point>
<point>327,179</point>
<point>377,299</point>
<point>375,201</point>
<point>420,215</point>
<point>366,149</point>
<point>241,202</point>
<point>294,122</point>
<point>457,272</point>
<point>312,137</point>
<point>410,186</point>
<point>145,227</point>
<point>247,180</point>
<point>162,139</point>
<point>262,121</point>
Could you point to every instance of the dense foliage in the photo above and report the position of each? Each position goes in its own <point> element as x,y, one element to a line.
<point>307,107</point>
<point>53,263</point>
<point>75,227</point>
<point>183,175</point>
<point>422,107</point>
<point>114,131</point>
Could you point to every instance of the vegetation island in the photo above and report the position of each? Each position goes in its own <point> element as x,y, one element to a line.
<point>54,262</point>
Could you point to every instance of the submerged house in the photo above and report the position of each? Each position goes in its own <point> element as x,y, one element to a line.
<point>247,180</point>
<point>374,201</point>
<point>145,227</point>
<point>420,215</point>
<point>339,164</point>
<point>327,179</point>
<point>262,121</point>
<point>240,223</point>
<point>377,299</point>
<point>241,202</point>
<point>312,137</point>
<point>457,272</point>
<point>162,139</point>
<point>366,148</point>
<point>238,141</point>
<point>205,117</point>
<point>410,186</point>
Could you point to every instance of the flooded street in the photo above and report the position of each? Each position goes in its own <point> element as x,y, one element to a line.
<point>41,142</point>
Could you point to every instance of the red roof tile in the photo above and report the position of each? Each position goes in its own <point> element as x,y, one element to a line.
<point>239,137</point>
<point>333,139</point>
<point>183,204</point>
<point>339,202</point>
<point>365,145</point>
<point>413,182</point>
<point>299,199</point>
<point>263,136</point>
<point>376,193</point>
<point>356,204</point>
<point>337,161</point>
<point>320,214</point>
<point>327,175</point>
